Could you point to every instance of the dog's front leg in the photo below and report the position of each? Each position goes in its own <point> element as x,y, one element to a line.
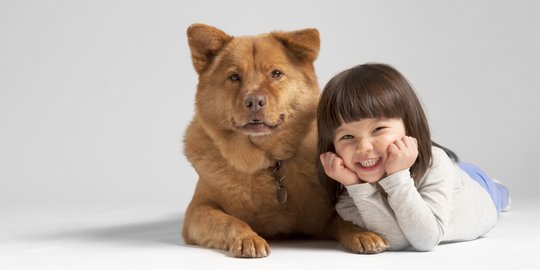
<point>209,226</point>
<point>355,239</point>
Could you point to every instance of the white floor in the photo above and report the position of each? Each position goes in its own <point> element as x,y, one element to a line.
<point>119,237</point>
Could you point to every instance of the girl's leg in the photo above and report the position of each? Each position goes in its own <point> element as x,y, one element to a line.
<point>499,192</point>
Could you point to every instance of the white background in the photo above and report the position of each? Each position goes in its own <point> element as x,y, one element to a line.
<point>95,97</point>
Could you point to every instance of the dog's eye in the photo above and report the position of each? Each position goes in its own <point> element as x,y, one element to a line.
<point>276,74</point>
<point>235,77</point>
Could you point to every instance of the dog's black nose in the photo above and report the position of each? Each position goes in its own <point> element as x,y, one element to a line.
<point>254,102</point>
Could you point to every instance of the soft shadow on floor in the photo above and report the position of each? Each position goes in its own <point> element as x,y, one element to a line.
<point>167,230</point>
<point>305,244</point>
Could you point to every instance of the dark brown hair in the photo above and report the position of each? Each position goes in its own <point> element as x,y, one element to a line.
<point>371,91</point>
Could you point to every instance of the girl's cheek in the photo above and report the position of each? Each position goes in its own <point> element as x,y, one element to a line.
<point>341,151</point>
<point>384,142</point>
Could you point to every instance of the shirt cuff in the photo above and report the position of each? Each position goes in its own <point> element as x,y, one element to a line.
<point>361,190</point>
<point>398,178</point>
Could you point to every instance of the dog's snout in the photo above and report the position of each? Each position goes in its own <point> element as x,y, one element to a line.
<point>254,102</point>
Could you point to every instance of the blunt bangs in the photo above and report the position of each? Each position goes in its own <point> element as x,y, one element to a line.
<point>357,94</point>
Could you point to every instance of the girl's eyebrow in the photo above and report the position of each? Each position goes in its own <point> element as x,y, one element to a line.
<point>383,120</point>
<point>339,129</point>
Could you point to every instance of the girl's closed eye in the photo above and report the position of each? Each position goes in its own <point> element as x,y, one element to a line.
<point>379,129</point>
<point>346,137</point>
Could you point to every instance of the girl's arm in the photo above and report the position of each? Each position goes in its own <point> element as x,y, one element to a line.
<point>367,208</point>
<point>420,214</point>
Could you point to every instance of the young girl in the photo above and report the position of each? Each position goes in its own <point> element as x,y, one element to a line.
<point>387,175</point>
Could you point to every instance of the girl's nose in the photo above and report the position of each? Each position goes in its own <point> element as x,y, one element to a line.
<point>364,146</point>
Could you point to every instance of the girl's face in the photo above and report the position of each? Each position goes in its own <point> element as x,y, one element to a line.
<point>363,145</point>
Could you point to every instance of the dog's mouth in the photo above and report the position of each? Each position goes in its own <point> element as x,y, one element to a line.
<point>258,127</point>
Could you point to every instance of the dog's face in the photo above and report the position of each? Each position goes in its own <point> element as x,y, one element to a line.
<point>255,85</point>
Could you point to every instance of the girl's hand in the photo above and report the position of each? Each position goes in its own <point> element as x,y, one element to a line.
<point>335,168</point>
<point>401,155</point>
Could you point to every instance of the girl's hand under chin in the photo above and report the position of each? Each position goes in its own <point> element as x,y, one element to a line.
<point>335,168</point>
<point>401,155</point>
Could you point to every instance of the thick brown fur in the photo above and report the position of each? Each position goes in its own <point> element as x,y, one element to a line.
<point>234,141</point>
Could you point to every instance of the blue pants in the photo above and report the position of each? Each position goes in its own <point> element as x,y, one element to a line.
<point>498,192</point>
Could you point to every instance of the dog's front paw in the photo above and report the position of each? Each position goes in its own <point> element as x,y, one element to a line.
<point>366,242</point>
<point>250,247</point>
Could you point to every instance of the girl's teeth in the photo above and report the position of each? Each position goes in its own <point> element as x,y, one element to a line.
<point>369,162</point>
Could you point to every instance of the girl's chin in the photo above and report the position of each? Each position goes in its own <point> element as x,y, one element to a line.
<point>371,175</point>
<point>372,181</point>
<point>371,178</point>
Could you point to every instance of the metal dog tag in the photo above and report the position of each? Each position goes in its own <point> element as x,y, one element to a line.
<point>282,195</point>
<point>279,176</point>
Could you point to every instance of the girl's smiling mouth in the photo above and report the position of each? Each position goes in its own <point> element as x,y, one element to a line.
<point>369,163</point>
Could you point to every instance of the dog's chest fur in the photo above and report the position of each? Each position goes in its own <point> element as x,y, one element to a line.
<point>252,197</point>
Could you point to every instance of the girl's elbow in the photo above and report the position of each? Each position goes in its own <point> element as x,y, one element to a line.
<point>428,242</point>
<point>426,246</point>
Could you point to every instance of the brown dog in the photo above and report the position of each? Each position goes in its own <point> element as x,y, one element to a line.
<point>252,142</point>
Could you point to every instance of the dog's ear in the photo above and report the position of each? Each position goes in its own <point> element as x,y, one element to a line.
<point>205,42</point>
<point>304,44</point>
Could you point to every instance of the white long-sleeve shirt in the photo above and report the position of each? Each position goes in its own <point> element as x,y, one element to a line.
<point>446,205</point>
